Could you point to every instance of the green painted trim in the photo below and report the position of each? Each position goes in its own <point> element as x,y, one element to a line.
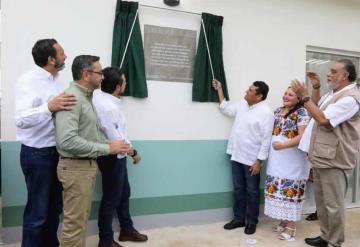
<point>12,216</point>
<point>183,203</point>
<point>164,167</point>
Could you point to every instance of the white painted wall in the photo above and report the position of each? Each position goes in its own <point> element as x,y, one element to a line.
<point>263,40</point>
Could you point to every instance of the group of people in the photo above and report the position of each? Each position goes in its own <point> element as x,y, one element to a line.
<point>306,131</point>
<point>67,134</point>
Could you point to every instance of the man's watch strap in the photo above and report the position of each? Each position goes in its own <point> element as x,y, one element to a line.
<point>305,99</point>
<point>134,153</point>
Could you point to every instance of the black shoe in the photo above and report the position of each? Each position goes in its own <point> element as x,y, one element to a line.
<point>250,229</point>
<point>318,241</point>
<point>233,224</point>
<point>312,217</point>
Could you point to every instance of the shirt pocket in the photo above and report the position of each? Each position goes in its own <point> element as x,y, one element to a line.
<point>326,144</point>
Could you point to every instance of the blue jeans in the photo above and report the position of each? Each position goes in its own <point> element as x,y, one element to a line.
<point>115,196</point>
<point>44,204</point>
<point>247,194</point>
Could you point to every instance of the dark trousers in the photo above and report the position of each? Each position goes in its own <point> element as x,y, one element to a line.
<point>44,204</point>
<point>247,194</point>
<point>115,196</point>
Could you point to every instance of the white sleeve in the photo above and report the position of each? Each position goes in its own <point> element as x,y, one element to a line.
<point>29,109</point>
<point>341,111</point>
<point>268,125</point>
<point>110,126</point>
<point>228,108</point>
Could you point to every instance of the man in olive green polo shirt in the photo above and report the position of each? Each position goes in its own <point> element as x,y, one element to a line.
<point>79,142</point>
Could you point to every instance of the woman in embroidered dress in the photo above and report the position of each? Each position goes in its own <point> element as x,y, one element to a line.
<point>287,167</point>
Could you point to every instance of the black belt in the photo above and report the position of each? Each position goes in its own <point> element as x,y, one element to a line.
<point>68,158</point>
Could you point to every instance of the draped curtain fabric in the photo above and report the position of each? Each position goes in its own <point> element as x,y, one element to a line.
<point>134,63</point>
<point>202,89</point>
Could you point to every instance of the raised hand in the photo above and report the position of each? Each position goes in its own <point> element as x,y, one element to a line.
<point>299,88</point>
<point>314,79</point>
<point>216,84</point>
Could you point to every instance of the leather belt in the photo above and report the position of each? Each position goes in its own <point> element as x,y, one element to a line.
<point>68,158</point>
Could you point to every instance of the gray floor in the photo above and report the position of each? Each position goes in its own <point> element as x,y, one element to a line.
<point>211,235</point>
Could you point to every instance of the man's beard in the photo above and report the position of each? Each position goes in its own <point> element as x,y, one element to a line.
<point>95,84</point>
<point>59,66</point>
<point>331,86</point>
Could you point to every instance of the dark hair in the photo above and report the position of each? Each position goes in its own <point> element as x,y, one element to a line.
<point>81,63</point>
<point>349,67</point>
<point>294,109</point>
<point>42,50</point>
<point>112,77</point>
<point>262,88</point>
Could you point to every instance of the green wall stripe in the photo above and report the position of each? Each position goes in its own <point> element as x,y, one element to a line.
<point>173,204</point>
<point>173,176</point>
<point>168,168</point>
<point>12,216</point>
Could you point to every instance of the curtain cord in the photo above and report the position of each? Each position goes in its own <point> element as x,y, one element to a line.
<point>175,10</point>
<point>127,43</point>
<point>207,47</point>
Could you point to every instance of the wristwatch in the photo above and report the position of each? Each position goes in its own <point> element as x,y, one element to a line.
<point>305,99</point>
<point>134,153</point>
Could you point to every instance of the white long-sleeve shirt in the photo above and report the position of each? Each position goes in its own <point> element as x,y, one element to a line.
<point>251,132</point>
<point>337,113</point>
<point>111,118</point>
<point>33,120</point>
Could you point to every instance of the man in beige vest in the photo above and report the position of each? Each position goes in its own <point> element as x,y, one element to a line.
<point>331,140</point>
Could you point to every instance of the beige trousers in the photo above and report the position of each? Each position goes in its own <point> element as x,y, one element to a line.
<point>330,186</point>
<point>78,181</point>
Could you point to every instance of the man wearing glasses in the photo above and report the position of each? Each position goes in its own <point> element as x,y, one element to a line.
<point>79,142</point>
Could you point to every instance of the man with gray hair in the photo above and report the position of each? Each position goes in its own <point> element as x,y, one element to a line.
<point>79,142</point>
<point>332,142</point>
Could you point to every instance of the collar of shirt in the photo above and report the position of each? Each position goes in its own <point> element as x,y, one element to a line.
<point>41,72</point>
<point>112,98</point>
<point>350,86</point>
<point>330,94</point>
<point>84,90</point>
<point>251,107</point>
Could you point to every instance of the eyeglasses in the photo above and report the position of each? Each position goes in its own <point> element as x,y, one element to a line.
<point>96,72</point>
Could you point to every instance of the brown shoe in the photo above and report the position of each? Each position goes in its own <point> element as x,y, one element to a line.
<point>113,244</point>
<point>134,236</point>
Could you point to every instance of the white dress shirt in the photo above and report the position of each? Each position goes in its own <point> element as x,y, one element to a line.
<point>111,118</point>
<point>33,120</point>
<point>251,132</point>
<point>337,113</point>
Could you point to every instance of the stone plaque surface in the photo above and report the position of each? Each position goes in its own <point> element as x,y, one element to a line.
<point>169,53</point>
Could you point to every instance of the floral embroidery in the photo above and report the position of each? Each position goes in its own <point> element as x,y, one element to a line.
<point>285,189</point>
<point>289,126</point>
<point>284,197</point>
